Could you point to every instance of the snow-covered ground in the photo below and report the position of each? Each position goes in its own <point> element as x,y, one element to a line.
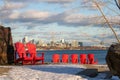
<point>49,72</point>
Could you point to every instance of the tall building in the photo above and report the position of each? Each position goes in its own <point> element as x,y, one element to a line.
<point>33,41</point>
<point>74,43</point>
<point>25,39</point>
<point>41,43</point>
<point>80,43</point>
<point>62,41</point>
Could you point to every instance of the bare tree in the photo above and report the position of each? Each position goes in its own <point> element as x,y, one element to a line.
<point>117,3</point>
<point>110,26</point>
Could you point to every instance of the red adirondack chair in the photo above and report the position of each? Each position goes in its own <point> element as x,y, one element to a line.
<point>74,58</point>
<point>83,59</point>
<point>20,54</point>
<point>55,58</point>
<point>65,58</point>
<point>91,59</point>
<point>32,50</point>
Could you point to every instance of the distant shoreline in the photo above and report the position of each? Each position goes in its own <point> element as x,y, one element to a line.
<point>67,49</point>
<point>73,48</point>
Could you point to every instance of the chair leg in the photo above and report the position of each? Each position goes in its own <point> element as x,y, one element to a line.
<point>34,62</point>
<point>22,62</point>
<point>31,62</point>
<point>42,61</point>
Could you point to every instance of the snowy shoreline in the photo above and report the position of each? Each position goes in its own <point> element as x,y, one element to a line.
<point>49,72</point>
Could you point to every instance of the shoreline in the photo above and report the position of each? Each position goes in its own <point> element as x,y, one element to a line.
<point>70,49</point>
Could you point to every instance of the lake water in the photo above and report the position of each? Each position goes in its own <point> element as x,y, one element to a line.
<point>99,54</point>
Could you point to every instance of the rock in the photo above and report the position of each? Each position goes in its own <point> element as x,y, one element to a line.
<point>89,72</point>
<point>6,46</point>
<point>108,75</point>
<point>113,59</point>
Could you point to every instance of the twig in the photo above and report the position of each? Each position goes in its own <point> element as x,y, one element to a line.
<point>106,20</point>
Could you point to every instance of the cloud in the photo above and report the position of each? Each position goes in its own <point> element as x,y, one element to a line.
<point>35,17</point>
<point>92,4</point>
<point>47,1</point>
<point>114,19</point>
<point>32,14</point>
<point>10,13</point>
<point>12,6</point>
<point>58,1</point>
<point>14,15</point>
<point>25,17</point>
<point>72,19</point>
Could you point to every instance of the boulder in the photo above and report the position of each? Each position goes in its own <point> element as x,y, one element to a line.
<point>89,72</point>
<point>6,46</point>
<point>113,59</point>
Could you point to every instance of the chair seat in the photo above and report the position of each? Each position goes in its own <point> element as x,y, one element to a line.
<point>55,58</point>
<point>65,58</point>
<point>83,58</point>
<point>74,58</point>
<point>38,58</point>
<point>28,58</point>
<point>32,50</point>
<point>91,59</point>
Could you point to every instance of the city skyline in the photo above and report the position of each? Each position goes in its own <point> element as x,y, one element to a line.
<point>60,19</point>
<point>60,41</point>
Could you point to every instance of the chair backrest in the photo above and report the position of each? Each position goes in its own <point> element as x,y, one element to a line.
<point>55,58</point>
<point>31,49</point>
<point>83,58</point>
<point>65,58</point>
<point>74,58</point>
<point>20,49</point>
<point>91,58</point>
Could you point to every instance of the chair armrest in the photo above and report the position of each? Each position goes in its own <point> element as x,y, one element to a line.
<point>42,54</point>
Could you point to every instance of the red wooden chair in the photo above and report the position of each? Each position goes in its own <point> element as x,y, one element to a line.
<point>83,59</point>
<point>20,54</point>
<point>74,58</point>
<point>55,58</point>
<point>91,59</point>
<point>32,50</point>
<point>65,58</point>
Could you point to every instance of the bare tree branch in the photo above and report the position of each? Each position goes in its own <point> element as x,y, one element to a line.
<point>110,26</point>
<point>117,3</point>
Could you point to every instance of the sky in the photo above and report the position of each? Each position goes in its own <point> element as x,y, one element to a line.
<point>78,20</point>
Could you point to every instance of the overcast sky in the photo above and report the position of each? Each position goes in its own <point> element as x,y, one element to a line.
<point>62,19</point>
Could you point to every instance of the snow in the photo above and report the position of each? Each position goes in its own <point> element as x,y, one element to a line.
<point>49,72</point>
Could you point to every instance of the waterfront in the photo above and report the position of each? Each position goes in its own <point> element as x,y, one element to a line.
<point>71,48</point>
<point>99,54</point>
